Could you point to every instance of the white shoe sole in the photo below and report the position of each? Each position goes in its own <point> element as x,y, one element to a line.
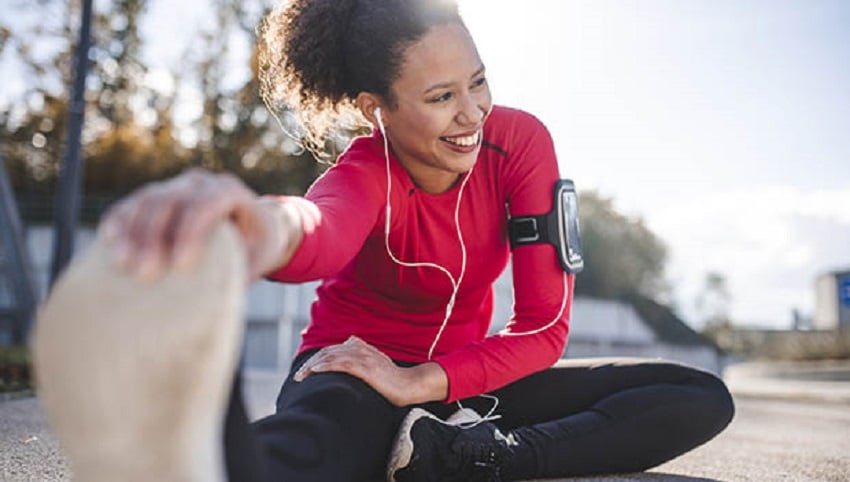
<point>403,446</point>
<point>134,376</point>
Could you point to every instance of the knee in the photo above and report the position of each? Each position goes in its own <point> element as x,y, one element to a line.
<point>716,401</point>
<point>308,444</point>
<point>297,440</point>
<point>330,392</point>
<point>319,428</point>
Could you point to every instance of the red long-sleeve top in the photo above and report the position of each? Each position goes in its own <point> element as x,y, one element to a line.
<point>400,309</point>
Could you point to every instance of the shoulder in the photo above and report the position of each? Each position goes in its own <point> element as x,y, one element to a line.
<point>363,158</point>
<point>359,167</point>
<point>521,150</point>
<point>364,151</point>
<point>509,130</point>
<point>510,122</point>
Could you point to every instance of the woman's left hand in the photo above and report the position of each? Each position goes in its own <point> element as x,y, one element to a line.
<point>399,385</point>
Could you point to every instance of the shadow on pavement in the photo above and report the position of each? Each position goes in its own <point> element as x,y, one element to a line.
<point>636,477</point>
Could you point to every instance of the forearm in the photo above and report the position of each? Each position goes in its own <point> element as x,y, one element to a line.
<point>284,234</point>
<point>428,382</point>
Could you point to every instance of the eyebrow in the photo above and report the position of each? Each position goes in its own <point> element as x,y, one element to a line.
<point>445,85</point>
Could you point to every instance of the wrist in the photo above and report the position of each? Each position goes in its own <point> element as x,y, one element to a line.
<point>283,232</point>
<point>428,383</point>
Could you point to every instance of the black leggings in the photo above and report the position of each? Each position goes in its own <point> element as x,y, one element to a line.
<point>580,417</point>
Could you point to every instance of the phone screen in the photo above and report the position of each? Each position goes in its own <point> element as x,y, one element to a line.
<point>571,235</point>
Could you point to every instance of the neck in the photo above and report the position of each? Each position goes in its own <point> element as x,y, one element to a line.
<point>432,185</point>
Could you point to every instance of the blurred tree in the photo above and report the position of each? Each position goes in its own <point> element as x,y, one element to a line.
<point>236,131</point>
<point>4,37</point>
<point>32,124</point>
<point>117,68</point>
<point>713,301</point>
<point>130,130</point>
<point>623,258</point>
<point>120,154</point>
<point>131,133</point>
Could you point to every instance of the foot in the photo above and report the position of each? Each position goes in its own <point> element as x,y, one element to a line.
<point>428,449</point>
<point>134,375</point>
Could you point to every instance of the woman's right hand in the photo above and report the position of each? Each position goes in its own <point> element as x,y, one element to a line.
<point>165,224</point>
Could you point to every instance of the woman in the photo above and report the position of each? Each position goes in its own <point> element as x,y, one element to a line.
<point>408,231</point>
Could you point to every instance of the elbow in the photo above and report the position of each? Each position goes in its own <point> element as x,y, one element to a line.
<point>557,342</point>
<point>548,345</point>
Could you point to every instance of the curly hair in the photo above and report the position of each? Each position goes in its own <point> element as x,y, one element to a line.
<point>316,56</point>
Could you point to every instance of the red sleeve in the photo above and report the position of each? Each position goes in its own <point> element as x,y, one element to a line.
<point>337,213</point>
<point>536,335</point>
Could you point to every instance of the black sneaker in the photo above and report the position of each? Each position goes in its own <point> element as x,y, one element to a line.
<point>429,449</point>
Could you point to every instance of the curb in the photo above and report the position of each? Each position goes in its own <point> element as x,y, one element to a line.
<point>825,382</point>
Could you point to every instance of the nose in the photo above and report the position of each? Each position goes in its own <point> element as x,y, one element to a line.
<point>472,110</point>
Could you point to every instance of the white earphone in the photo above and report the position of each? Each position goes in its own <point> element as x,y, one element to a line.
<point>380,121</point>
<point>455,281</point>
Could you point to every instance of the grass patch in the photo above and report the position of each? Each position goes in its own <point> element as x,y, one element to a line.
<point>15,372</point>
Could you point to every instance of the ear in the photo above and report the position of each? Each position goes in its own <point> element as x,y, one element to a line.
<point>367,102</point>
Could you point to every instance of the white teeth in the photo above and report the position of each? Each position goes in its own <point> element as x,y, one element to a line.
<point>464,141</point>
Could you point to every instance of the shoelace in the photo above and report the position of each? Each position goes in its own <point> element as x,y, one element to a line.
<point>480,460</point>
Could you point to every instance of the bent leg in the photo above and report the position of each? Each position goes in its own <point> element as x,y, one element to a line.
<point>612,415</point>
<point>331,426</point>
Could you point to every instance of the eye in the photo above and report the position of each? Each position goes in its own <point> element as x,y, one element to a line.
<point>441,98</point>
<point>479,82</point>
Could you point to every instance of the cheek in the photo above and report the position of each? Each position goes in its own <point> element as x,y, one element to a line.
<point>424,128</point>
<point>485,100</point>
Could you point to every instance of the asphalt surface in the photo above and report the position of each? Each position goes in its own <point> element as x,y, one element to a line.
<point>794,432</point>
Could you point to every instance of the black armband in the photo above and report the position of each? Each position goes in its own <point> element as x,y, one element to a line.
<point>559,227</point>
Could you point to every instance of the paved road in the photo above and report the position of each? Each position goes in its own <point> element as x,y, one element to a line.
<point>771,439</point>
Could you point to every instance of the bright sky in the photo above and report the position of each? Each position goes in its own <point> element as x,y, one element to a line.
<point>725,124</point>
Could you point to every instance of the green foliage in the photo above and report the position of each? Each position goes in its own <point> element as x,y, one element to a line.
<point>623,258</point>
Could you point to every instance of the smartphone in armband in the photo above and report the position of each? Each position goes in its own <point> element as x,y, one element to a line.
<point>559,227</point>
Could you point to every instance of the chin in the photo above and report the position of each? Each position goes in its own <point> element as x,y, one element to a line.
<point>460,163</point>
<point>469,160</point>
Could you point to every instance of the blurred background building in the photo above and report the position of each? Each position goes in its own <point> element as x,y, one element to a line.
<point>832,301</point>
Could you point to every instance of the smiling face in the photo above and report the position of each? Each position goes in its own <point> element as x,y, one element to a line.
<point>441,101</point>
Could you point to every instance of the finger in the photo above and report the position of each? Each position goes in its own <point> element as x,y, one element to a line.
<point>156,237</point>
<point>113,221</point>
<point>142,236</point>
<point>215,201</point>
<point>113,228</point>
<point>327,358</point>
<point>349,365</point>
<point>304,371</point>
<point>359,362</point>
<point>131,230</point>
